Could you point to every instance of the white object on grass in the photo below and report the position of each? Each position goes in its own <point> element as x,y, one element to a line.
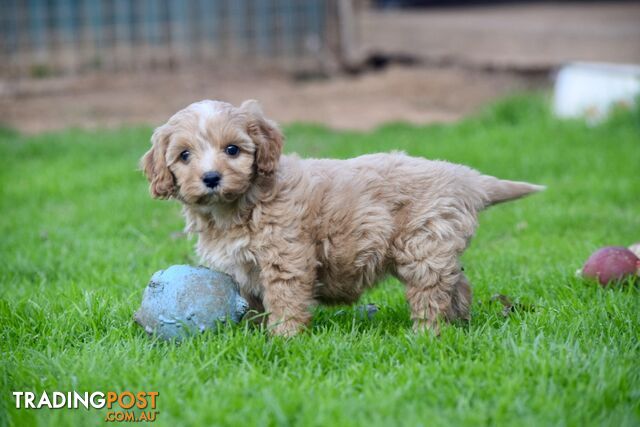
<point>590,90</point>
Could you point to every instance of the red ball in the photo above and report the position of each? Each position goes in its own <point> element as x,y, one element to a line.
<point>610,264</point>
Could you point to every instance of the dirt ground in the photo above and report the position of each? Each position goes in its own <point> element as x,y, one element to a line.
<point>464,58</point>
<point>416,95</point>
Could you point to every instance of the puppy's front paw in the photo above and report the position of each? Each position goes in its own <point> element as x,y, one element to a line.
<point>285,328</point>
<point>426,326</point>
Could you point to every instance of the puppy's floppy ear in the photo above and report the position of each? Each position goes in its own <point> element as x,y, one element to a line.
<point>266,135</point>
<point>154,165</point>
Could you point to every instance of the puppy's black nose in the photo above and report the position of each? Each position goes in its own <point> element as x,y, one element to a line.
<point>211,179</point>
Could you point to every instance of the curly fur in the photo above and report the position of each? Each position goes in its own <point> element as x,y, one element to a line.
<point>297,232</point>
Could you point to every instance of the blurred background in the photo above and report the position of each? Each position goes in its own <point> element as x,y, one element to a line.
<point>349,64</point>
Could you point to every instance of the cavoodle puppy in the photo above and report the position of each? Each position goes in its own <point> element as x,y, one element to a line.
<point>297,232</point>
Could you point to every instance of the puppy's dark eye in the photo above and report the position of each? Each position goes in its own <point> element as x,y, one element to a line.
<point>184,156</point>
<point>232,150</point>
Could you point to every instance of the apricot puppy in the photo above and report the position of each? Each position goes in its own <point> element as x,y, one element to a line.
<point>297,232</point>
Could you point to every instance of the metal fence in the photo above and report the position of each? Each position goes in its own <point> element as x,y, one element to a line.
<point>53,36</point>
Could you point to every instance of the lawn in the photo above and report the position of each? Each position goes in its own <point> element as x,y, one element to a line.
<point>81,237</point>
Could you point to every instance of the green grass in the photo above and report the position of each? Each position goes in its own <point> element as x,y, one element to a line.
<point>81,237</point>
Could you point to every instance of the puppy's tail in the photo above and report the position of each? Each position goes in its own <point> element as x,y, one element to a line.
<point>502,190</point>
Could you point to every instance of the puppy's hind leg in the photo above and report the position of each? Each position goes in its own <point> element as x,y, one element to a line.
<point>435,287</point>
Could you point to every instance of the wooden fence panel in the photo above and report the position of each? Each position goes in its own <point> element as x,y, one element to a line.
<point>71,36</point>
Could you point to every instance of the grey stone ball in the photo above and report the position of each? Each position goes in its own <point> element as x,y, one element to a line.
<point>184,300</point>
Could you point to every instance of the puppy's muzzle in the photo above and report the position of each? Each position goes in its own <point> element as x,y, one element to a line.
<point>211,179</point>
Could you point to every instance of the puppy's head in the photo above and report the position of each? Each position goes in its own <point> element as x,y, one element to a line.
<point>212,152</point>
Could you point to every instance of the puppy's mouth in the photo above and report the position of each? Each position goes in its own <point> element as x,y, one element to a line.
<point>199,195</point>
<point>199,198</point>
<point>214,197</point>
<point>207,199</point>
